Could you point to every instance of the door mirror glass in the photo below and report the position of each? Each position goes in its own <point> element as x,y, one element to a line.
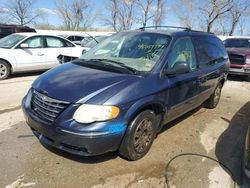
<point>180,67</point>
<point>24,45</point>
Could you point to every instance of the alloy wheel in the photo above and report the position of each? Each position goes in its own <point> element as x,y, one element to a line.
<point>3,70</point>
<point>143,136</point>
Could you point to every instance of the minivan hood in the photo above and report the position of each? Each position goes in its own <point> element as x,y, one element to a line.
<point>75,83</point>
<point>239,51</point>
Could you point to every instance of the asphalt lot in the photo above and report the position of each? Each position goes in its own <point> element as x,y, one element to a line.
<point>218,133</point>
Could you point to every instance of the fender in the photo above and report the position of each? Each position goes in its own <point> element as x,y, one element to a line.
<point>142,103</point>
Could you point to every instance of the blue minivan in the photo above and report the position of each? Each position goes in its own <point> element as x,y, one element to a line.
<point>119,94</point>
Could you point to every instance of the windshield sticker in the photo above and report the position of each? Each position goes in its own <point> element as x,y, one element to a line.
<point>151,50</point>
<point>151,47</point>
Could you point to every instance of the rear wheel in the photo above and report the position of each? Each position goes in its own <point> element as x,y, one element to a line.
<point>4,70</point>
<point>214,99</point>
<point>139,136</point>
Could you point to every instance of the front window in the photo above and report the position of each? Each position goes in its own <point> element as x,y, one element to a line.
<point>11,40</point>
<point>183,51</point>
<point>34,42</point>
<point>138,50</point>
<point>237,43</point>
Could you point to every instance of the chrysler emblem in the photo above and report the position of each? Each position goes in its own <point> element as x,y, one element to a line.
<point>44,92</point>
<point>44,98</point>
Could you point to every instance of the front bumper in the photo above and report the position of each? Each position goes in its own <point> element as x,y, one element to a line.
<point>247,154</point>
<point>70,136</point>
<point>243,70</point>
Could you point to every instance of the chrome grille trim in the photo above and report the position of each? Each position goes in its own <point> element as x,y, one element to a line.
<point>47,107</point>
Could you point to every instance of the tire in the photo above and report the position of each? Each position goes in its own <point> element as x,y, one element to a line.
<point>214,99</point>
<point>139,136</point>
<point>4,70</point>
<point>248,78</point>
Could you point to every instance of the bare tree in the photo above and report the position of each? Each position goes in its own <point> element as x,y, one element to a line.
<point>213,10</point>
<point>126,14</point>
<point>114,10</point>
<point>22,11</point>
<point>239,9</point>
<point>186,12</point>
<point>160,12</point>
<point>146,10</point>
<point>73,13</point>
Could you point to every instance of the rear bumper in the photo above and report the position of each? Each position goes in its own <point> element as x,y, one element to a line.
<point>62,136</point>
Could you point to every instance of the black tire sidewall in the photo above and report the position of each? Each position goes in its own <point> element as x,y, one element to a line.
<point>210,103</point>
<point>127,148</point>
<point>8,69</point>
<point>219,86</point>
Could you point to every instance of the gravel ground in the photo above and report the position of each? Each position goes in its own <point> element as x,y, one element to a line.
<point>218,133</point>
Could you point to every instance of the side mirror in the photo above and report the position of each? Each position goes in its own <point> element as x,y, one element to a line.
<point>180,67</point>
<point>24,45</point>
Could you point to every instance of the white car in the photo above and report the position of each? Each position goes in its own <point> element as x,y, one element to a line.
<point>25,52</point>
<point>76,39</point>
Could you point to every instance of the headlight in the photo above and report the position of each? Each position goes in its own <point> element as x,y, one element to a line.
<point>87,113</point>
<point>248,60</point>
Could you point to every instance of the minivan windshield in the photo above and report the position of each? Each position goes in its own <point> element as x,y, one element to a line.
<point>139,51</point>
<point>237,43</point>
<point>11,40</point>
<point>92,43</point>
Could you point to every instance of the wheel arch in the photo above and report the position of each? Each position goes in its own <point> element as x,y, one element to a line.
<point>11,68</point>
<point>222,81</point>
<point>147,104</point>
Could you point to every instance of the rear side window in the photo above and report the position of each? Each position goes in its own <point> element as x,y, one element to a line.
<point>210,50</point>
<point>53,42</point>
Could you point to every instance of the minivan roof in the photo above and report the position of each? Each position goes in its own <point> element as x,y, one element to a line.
<point>175,32</point>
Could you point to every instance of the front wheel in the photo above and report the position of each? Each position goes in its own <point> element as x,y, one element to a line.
<point>214,99</point>
<point>139,136</point>
<point>4,70</point>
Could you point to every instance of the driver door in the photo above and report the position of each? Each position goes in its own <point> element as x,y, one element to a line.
<point>31,57</point>
<point>183,88</point>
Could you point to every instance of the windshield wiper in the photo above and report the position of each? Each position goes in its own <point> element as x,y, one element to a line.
<point>130,69</point>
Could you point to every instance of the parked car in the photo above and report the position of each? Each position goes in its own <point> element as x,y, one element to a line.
<point>92,43</point>
<point>74,38</point>
<point>6,29</point>
<point>119,94</point>
<point>25,52</point>
<point>86,40</point>
<point>239,55</point>
<point>62,58</point>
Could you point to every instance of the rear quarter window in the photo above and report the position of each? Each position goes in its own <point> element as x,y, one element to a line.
<point>210,50</point>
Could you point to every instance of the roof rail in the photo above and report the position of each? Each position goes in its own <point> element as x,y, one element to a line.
<point>170,27</point>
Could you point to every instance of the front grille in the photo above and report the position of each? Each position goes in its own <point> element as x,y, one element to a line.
<point>237,59</point>
<point>46,107</point>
